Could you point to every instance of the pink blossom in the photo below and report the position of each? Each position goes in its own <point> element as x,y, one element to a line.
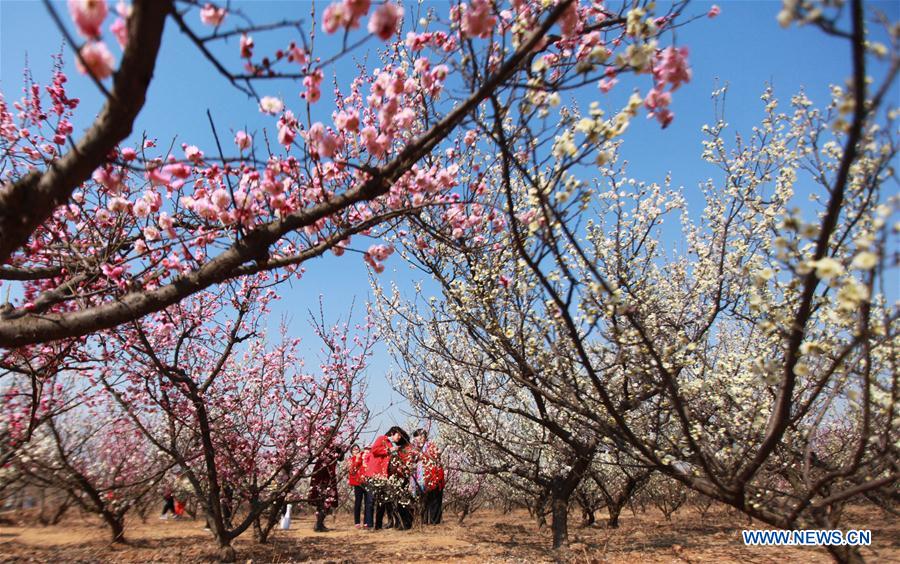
<point>141,208</point>
<point>98,61</point>
<point>151,233</point>
<point>88,16</point>
<point>297,55</point>
<point>119,29</point>
<point>286,134</point>
<point>220,198</point>
<point>193,153</point>
<point>713,12</point>
<point>569,21</point>
<point>312,83</point>
<point>112,182</point>
<point>358,8</point>
<point>270,105</point>
<point>336,16</point>
<point>377,144</point>
<point>385,20</point>
<point>470,137</point>
<point>671,67</point>
<point>606,84</point>
<point>658,102</point>
<point>380,252</point>
<point>246,46</point>
<point>321,143</point>
<point>478,19</point>
<point>346,121</point>
<point>165,221</point>
<point>211,15</point>
<point>178,170</point>
<point>404,119</point>
<point>243,140</point>
<point>112,272</point>
<point>118,204</point>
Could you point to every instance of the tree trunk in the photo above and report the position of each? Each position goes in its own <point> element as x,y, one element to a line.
<point>589,518</point>
<point>226,552</point>
<point>613,521</point>
<point>463,514</point>
<point>560,521</point>
<point>258,534</point>
<point>116,526</point>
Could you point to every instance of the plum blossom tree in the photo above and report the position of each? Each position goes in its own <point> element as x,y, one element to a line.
<point>239,418</point>
<point>102,462</point>
<point>390,148</point>
<point>470,369</point>
<point>726,363</point>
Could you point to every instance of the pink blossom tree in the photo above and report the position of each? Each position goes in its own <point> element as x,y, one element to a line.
<point>396,131</point>
<point>98,458</point>
<point>238,416</point>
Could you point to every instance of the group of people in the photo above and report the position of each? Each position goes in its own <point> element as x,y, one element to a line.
<point>392,478</point>
<point>395,476</point>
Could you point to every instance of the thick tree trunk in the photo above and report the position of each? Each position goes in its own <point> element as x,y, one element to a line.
<point>259,535</point>
<point>116,525</point>
<point>614,511</point>
<point>560,521</point>
<point>226,552</point>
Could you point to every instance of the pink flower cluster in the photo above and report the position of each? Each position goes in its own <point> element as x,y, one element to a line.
<point>345,14</point>
<point>88,16</point>
<point>376,255</point>
<point>670,68</point>
<point>94,57</point>
<point>385,21</point>
<point>321,142</point>
<point>477,19</point>
<point>212,15</point>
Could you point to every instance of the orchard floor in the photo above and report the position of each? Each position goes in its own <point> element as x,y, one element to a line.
<point>486,536</point>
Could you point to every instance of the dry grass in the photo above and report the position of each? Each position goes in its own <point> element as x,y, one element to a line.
<point>484,537</point>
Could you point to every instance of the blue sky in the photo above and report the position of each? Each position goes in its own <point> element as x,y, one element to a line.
<point>744,48</point>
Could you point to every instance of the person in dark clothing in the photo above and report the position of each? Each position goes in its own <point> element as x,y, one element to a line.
<point>168,505</point>
<point>323,487</point>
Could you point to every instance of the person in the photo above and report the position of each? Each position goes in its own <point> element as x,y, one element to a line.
<point>286,518</point>
<point>168,505</point>
<point>375,470</point>
<point>430,478</point>
<point>323,487</point>
<point>355,479</point>
<point>400,472</point>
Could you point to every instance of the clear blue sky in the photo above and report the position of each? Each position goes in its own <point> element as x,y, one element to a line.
<point>744,47</point>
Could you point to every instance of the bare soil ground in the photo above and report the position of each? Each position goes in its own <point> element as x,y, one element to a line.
<point>486,536</point>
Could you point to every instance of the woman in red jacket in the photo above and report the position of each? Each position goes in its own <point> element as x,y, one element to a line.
<point>355,479</point>
<point>429,478</point>
<point>375,468</point>
<point>400,471</point>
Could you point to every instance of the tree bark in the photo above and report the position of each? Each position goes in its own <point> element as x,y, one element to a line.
<point>116,525</point>
<point>614,511</point>
<point>560,521</point>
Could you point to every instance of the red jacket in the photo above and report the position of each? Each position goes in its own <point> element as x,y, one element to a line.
<point>376,463</point>
<point>355,471</point>
<point>430,471</point>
